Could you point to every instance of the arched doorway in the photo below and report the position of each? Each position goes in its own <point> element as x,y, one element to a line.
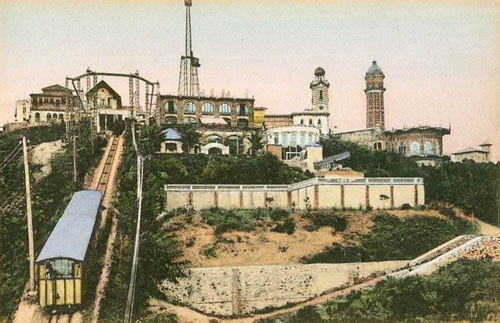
<point>215,151</point>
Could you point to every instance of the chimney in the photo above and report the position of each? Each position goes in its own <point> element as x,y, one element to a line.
<point>212,92</point>
<point>222,93</point>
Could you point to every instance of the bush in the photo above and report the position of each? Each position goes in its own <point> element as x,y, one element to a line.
<point>287,226</point>
<point>395,239</point>
<point>230,220</point>
<point>465,290</point>
<point>339,223</point>
<point>405,206</point>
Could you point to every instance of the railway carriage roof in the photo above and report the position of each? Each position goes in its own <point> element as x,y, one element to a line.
<point>73,231</point>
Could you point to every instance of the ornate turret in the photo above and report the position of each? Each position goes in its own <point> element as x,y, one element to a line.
<point>375,97</point>
<point>319,89</point>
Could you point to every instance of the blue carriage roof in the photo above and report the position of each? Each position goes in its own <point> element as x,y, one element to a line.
<point>72,233</point>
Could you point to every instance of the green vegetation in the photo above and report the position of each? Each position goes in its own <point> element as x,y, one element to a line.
<point>395,239</point>
<point>322,219</point>
<point>50,197</point>
<point>246,220</point>
<point>465,290</point>
<point>475,188</point>
<point>204,169</point>
<point>159,252</point>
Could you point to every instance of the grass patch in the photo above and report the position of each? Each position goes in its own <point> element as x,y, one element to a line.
<point>242,220</point>
<point>395,239</point>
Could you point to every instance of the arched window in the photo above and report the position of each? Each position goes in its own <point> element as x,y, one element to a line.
<point>414,148</point>
<point>214,138</point>
<point>319,122</point>
<point>377,146</point>
<point>37,117</point>
<point>310,122</point>
<point>276,139</point>
<point>438,148</point>
<point>321,94</point>
<point>302,139</point>
<point>170,107</point>
<point>207,108</point>
<point>402,148</point>
<point>49,117</point>
<point>225,109</point>
<point>54,116</point>
<point>301,121</point>
<point>243,110</point>
<point>284,140</point>
<point>189,108</point>
<point>321,108</point>
<point>189,120</point>
<point>428,148</point>
<point>293,139</point>
<point>61,117</point>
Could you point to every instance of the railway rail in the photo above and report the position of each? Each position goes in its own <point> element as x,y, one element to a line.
<point>102,186</point>
<point>104,176</point>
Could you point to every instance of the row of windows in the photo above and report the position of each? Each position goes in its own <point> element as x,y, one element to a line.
<point>415,148</point>
<point>190,120</point>
<point>41,101</point>
<point>311,122</point>
<point>293,139</point>
<point>50,117</point>
<point>207,108</point>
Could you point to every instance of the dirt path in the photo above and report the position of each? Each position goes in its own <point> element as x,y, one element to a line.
<point>107,203</point>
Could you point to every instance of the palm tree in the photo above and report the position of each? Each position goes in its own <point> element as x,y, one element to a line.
<point>256,141</point>
<point>190,138</point>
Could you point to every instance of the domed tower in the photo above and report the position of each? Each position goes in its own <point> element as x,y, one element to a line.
<point>375,97</point>
<point>319,89</point>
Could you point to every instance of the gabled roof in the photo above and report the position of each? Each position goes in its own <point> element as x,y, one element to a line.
<point>103,84</point>
<point>72,233</point>
<point>55,87</point>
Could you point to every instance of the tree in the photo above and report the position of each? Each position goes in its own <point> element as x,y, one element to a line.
<point>190,138</point>
<point>256,141</point>
<point>150,139</point>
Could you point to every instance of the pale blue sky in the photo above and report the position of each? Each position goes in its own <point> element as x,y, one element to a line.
<point>440,58</point>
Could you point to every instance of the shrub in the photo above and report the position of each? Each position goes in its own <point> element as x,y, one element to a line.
<point>395,239</point>
<point>288,226</point>
<point>405,206</point>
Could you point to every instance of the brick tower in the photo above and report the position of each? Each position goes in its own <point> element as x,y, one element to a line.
<point>375,97</point>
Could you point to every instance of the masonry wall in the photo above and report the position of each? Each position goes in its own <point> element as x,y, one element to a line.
<point>243,290</point>
<point>379,193</point>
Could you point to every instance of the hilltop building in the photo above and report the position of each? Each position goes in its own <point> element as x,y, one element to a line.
<point>317,116</point>
<point>225,110</point>
<point>106,104</point>
<point>23,110</point>
<point>51,105</point>
<point>478,155</point>
<point>424,144</point>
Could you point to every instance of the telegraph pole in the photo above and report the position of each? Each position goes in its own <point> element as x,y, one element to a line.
<point>29,216</point>
<point>74,159</point>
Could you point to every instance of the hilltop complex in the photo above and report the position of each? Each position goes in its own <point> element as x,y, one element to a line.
<point>225,123</point>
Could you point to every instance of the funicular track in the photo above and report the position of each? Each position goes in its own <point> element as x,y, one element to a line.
<point>104,176</point>
<point>103,173</point>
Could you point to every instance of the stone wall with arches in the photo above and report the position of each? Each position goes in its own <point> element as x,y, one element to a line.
<point>237,112</point>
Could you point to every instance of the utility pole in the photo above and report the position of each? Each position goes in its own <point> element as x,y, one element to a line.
<point>1,250</point>
<point>74,159</point>
<point>29,216</point>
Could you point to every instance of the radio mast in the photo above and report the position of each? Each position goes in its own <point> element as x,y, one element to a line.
<point>188,75</point>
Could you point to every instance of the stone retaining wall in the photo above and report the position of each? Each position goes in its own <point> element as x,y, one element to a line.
<point>230,291</point>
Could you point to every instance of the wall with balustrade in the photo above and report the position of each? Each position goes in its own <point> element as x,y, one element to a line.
<point>318,193</point>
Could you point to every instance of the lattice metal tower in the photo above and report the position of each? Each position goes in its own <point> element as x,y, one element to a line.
<point>188,75</point>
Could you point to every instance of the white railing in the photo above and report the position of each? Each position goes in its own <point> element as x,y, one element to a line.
<point>296,186</point>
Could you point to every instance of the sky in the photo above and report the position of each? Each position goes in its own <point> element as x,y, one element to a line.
<point>441,58</point>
